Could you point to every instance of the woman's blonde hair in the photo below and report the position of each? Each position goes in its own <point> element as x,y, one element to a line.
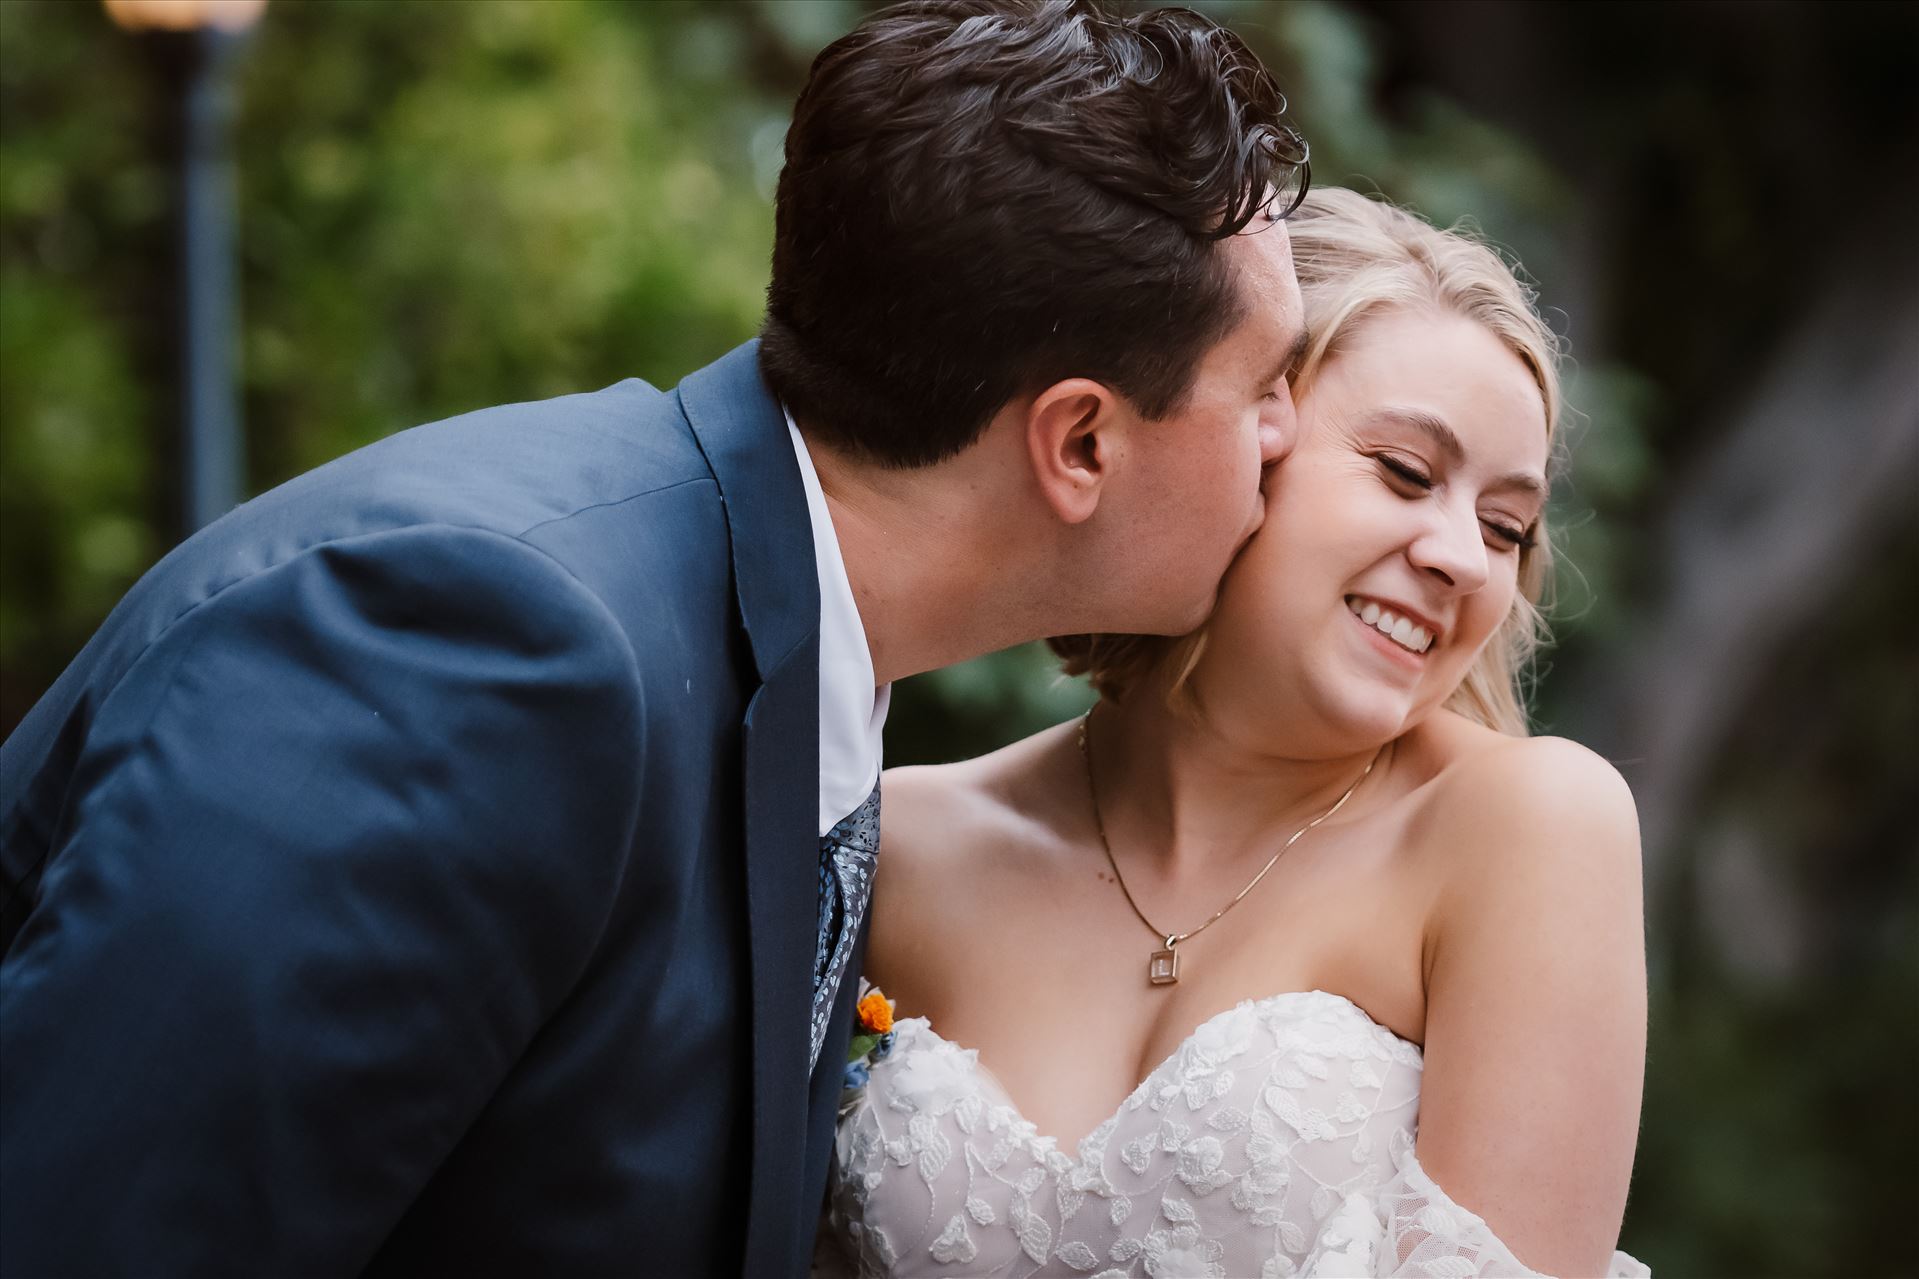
<point>1356,258</point>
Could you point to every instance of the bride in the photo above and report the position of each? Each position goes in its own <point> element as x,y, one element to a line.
<point>1297,955</point>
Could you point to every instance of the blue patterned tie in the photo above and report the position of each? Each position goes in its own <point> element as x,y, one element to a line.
<point>848,854</point>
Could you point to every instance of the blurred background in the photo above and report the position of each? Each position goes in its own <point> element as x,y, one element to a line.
<point>444,204</point>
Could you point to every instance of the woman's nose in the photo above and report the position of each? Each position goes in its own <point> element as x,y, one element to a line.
<point>1453,549</point>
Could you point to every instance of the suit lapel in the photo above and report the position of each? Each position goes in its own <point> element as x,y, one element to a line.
<point>743,433</point>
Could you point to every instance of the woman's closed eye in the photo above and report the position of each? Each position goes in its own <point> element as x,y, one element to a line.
<point>1404,473</point>
<point>1409,479</point>
<point>1514,537</point>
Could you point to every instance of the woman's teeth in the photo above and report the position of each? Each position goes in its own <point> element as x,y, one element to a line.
<point>1414,639</point>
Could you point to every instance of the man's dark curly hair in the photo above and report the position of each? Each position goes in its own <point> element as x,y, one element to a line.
<point>983,197</point>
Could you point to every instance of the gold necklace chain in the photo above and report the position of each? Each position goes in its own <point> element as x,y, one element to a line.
<point>1163,968</point>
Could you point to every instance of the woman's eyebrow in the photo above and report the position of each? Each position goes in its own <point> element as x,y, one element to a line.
<point>1447,439</point>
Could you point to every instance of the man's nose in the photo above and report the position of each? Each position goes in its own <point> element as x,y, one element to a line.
<point>1278,431</point>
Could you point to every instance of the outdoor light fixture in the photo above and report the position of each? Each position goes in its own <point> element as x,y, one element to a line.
<point>190,45</point>
<point>185,15</point>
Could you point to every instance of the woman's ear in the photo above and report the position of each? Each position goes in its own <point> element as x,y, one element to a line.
<point>1074,432</point>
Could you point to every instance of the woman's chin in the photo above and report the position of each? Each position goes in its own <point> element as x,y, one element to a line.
<point>1342,703</point>
<point>1366,717</point>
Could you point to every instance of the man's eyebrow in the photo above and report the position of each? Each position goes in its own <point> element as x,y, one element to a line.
<point>1289,364</point>
<point>1529,482</point>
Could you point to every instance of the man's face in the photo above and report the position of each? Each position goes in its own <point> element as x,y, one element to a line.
<point>1198,470</point>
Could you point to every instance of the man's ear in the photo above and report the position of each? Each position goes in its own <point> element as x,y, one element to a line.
<point>1073,430</point>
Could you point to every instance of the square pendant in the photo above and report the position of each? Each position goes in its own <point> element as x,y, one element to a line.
<point>1164,969</point>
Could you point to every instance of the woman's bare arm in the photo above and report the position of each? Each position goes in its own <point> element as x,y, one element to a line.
<point>1536,1002</point>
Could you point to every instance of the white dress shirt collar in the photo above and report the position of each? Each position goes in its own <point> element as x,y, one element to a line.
<point>852,710</point>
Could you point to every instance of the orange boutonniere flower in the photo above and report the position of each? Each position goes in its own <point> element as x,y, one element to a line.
<point>876,1013</point>
<point>872,1041</point>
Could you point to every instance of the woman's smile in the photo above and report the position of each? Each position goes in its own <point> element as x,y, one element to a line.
<point>1409,634</point>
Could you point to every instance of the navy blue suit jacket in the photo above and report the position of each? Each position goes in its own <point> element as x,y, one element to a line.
<point>417,871</point>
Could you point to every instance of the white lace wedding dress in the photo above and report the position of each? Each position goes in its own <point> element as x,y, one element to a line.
<point>1276,1141</point>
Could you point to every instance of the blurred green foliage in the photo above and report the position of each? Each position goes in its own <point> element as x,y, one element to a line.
<point>442,206</point>
<point>448,204</point>
<point>75,468</point>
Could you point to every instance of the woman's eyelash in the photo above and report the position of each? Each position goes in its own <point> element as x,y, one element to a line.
<point>1519,539</point>
<point>1406,471</point>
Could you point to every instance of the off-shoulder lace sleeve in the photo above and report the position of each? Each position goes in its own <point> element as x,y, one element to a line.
<point>1409,1228</point>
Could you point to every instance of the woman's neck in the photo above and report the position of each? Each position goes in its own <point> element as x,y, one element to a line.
<point>1179,790</point>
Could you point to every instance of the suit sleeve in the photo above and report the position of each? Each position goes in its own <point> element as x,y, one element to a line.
<point>339,842</point>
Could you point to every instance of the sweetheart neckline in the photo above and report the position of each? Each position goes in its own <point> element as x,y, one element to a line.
<point>1259,1005</point>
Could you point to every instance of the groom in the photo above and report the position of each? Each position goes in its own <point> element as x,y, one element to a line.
<point>454,860</point>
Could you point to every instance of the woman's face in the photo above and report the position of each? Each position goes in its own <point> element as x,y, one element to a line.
<point>1390,552</point>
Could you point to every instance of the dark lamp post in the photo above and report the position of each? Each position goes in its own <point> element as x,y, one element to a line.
<point>191,43</point>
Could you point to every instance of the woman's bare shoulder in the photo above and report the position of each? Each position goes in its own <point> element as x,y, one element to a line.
<point>952,836</point>
<point>1520,823</point>
<point>1531,823</point>
<point>1493,784</point>
<point>1484,782</point>
<point>931,812</point>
